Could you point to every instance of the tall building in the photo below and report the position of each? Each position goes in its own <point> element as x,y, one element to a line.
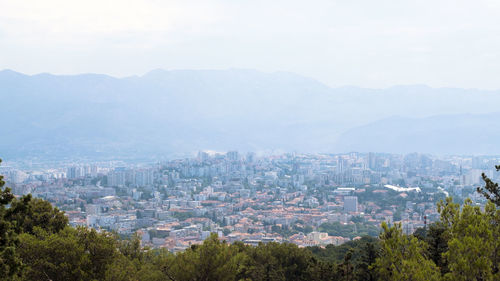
<point>144,177</point>
<point>372,161</point>
<point>75,172</point>
<point>118,177</point>
<point>232,155</point>
<point>350,204</point>
<point>203,156</point>
<point>250,157</point>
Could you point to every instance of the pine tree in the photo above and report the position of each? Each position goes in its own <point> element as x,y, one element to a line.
<point>9,262</point>
<point>473,240</point>
<point>491,189</point>
<point>403,257</point>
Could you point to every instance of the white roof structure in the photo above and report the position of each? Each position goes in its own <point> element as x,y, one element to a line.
<point>403,189</point>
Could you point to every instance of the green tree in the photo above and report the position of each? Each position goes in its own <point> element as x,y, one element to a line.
<point>100,248</point>
<point>52,256</point>
<point>26,213</point>
<point>403,257</point>
<point>121,269</point>
<point>283,261</point>
<point>9,262</point>
<point>437,239</point>
<point>473,245</point>
<point>346,269</point>
<point>491,190</point>
<point>18,216</point>
<point>70,254</point>
<point>436,236</point>
<point>368,257</point>
<point>213,260</point>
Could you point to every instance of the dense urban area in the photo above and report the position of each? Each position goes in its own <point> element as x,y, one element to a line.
<point>304,199</point>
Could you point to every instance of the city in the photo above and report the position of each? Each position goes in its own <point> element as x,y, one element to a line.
<point>305,199</point>
<point>217,140</point>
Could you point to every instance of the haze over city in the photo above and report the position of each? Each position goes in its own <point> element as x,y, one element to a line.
<point>249,140</point>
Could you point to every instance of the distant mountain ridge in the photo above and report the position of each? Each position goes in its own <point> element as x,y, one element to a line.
<point>181,111</point>
<point>441,134</point>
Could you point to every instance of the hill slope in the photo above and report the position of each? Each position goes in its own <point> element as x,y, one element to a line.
<point>442,134</point>
<point>167,112</point>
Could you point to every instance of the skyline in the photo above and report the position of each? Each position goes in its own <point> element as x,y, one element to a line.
<point>365,44</point>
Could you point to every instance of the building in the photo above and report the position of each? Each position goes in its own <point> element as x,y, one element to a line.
<point>350,204</point>
<point>232,155</point>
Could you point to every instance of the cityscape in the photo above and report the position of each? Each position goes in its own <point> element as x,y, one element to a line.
<point>217,140</point>
<point>305,199</point>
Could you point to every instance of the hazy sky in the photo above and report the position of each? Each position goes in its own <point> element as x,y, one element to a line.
<point>350,42</point>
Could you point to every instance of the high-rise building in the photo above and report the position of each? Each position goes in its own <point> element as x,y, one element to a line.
<point>372,161</point>
<point>250,157</point>
<point>118,177</point>
<point>144,177</point>
<point>350,204</point>
<point>75,172</point>
<point>232,155</point>
<point>203,156</point>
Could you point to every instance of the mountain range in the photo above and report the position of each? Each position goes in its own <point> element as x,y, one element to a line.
<point>176,113</point>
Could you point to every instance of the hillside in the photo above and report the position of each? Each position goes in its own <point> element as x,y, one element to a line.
<point>441,134</point>
<point>174,113</point>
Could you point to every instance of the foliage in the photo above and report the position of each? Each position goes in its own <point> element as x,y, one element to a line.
<point>491,190</point>
<point>354,257</point>
<point>181,216</point>
<point>403,257</point>
<point>332,253</point>
<point>213,260</point>
<point>473,245</point>
<point>437,239</point>
<point>349,230</point>
<point>26,213</point>
<point>9,262</point>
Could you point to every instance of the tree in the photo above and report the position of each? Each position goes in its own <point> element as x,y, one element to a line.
<point>368,258</point>
<point>53,256</point>
<point>149,265</point>
<point>213,260</point>
<point>473,240</point>
<point>26,213</point>
<point>74,254</point>
<point>9,262</point>
<point>284,261</point>
<point>122,269</point>
<point>101,249</point>
<point>437,239</point>
<point>19,216</point>
<point>346,268</point>
<point>491,190</point>
<point>403,257</point>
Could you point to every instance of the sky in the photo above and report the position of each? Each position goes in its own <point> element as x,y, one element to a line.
<point>363,43</point>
